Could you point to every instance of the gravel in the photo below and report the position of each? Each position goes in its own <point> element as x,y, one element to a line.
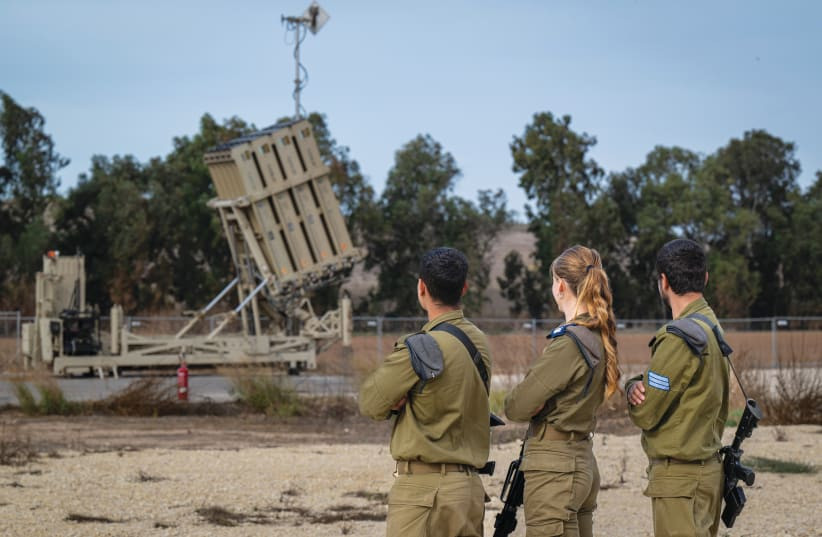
<point>319,489</point>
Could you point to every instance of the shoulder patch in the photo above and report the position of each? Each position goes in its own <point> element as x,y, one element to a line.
<point>558,331</point>
<point>691,333</point>
<point>660,382</point>
<point>426,356</point>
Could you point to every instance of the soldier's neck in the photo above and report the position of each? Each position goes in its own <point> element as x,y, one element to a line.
<point>435,310</point>
<point>680,302</point>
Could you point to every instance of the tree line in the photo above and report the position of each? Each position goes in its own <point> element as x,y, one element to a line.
<point>152,244</point>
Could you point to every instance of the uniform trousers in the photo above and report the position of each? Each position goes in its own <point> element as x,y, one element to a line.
<point>561,487</point>
<point>438,504</point>
<point>686,497</point>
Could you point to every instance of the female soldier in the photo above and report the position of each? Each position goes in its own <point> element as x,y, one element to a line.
<point>560,395</point>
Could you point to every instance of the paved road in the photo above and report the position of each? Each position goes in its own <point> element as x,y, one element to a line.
<point>202,388</point>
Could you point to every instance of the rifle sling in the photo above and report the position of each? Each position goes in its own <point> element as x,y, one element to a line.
<point>475,355</point>
<point>723,346</point>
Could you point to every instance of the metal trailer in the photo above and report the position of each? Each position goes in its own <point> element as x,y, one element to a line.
<point>287,237</point>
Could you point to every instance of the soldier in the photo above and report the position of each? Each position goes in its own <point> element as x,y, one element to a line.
<point>681,402</point>
<point>560,395</point>
<point>438,390</point>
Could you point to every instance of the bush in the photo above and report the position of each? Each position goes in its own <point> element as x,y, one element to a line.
<point>149,396</point>
<point>52,401</point>
<point>260,391</point>
<point>778,466</point>
<point>792,396</point>
<point>26,400</point>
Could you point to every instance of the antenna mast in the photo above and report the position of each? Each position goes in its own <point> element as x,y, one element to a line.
<point>312,19</point>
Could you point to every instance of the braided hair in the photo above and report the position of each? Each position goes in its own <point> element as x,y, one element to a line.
<point>581,267</point>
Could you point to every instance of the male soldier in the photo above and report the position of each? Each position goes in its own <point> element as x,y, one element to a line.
<point>438,392</point>
<point>681,403</point>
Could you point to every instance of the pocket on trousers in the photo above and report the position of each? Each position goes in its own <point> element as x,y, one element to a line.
<point>671,487</point>
<point>548,462</point>
<point>409,509</point>
<point>551,529</point>
<point>411,494</point>
<point>549,478</point>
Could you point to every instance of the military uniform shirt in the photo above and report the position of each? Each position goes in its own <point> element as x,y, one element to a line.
<point>558,378</point>
<point>445,422</point>
<point>686,396</point>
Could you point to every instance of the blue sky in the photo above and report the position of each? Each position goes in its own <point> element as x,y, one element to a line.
<point>117,77</point>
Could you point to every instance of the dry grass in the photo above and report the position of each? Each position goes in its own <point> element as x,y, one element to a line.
<point>14,450</point>
<point>91,519</point>
<point>261,390</point>
<point>149,396</point>
<point>379,498</point>
<point>791,394</point>
<point>50,400</point>
<point>145,477</point>
<point>779,466</point>
<point>220,516</point>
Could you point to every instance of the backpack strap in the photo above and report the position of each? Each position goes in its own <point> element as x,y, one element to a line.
<point>723,345</point>
<point>475,355</point>
<point>587,343</point>
<point>691,333</point>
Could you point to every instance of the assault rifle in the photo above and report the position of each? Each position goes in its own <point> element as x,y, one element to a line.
<point>506,521</point>
<point>733,469</point>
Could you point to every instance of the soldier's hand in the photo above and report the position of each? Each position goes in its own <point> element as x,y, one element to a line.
<point>637,393</point>
<point>399,403</point>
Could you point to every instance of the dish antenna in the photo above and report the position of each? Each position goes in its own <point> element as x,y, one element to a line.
<point>313,19</point>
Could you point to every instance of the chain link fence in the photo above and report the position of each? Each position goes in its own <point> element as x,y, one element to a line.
<point>515,343</point>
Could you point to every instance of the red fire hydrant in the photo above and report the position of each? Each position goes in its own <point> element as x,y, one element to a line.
<point>182,380</point>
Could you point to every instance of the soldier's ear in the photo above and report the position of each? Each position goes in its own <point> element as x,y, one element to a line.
<point>421,288</point>
<point>706,279</point>
<point>664,284</point>
<point>464,289</point>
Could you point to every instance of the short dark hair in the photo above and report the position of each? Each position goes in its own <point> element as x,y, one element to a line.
<point>444,270</point>
<point>684,262</point>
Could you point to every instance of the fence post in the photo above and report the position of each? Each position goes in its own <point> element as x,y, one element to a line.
<point>19,332</point>
<point>379,340</point>
<point>774,355</point>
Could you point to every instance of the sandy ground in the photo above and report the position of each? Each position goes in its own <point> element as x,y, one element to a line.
<point>187,476</point>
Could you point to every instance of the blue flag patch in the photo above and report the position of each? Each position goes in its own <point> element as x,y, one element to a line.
<point>660,382</point>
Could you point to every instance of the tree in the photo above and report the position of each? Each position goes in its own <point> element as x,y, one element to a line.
<point>105,218</point>
<point>418,211</point>
<point>28,177</point>
<point>521,286</point>
<point>802,275</point>
<point>28,183</point>
<point>562,181</point>
<point>760,174</point>
<point>150,240</point>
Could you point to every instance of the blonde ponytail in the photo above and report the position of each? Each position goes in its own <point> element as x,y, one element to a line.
<point>582,268</point>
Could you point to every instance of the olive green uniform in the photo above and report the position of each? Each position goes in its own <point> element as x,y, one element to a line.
<point>561,474</point>
<point>444,423</point>
<point>682,419</point>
